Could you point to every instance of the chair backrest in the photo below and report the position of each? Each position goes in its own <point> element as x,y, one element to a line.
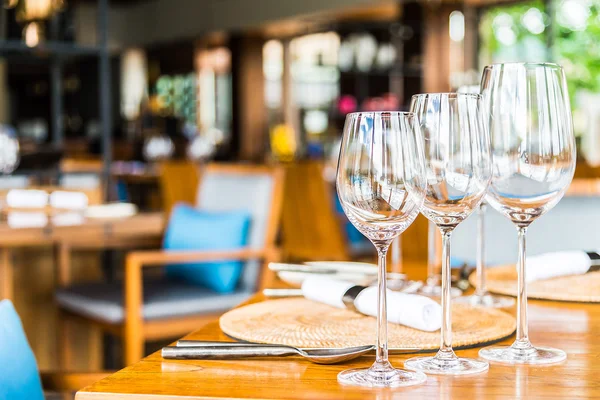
<point>311,230</point>
<point>256,189</point>
<point>178,183</point>
<point>19,376</point>
<point>570,225</point>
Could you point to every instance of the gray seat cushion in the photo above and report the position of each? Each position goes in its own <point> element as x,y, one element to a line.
<point>162,300</point>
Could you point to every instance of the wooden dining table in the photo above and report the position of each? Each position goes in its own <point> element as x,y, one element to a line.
<point>573,327</point>
<point>128,232</point>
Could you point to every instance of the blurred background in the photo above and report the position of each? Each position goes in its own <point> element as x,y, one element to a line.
<point>101,96</point>
<point>265,80</point>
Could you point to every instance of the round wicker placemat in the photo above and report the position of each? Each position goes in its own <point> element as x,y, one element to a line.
<point>303,323</point>
<point>579,288</point>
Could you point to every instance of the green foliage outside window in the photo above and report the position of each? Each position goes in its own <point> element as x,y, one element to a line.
<point>514,32</point>
<point>521,31</point>
<point>577,44</point>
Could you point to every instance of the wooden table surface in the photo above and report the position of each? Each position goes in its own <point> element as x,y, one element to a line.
<point>572,327</point>
<point>140,225</point>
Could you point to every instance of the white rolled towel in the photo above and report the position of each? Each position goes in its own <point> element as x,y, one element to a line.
<point>411,310</point>
<point>555,264</point>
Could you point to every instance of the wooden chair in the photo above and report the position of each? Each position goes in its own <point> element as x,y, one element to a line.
<point>311,228</point>
<point>138,310</point>
<point>178,182</point>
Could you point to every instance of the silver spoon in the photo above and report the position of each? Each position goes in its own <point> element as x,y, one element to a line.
<point>242,350</point>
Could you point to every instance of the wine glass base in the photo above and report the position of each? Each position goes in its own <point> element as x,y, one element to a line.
<point>487,300</point>
<point>436,291</point>
<point>452,366</point>
<point>381,375</point>
<point>527,355</point>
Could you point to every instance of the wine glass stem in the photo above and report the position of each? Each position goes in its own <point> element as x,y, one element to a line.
<point>522,339</point>
<point>397,255</point>
<point>481,290</point>
<point>382,344</point>
<point>446,344</point>
<point>432,277</point>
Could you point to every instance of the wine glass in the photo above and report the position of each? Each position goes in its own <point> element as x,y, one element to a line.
<point>381,186</point>
<point>482,297</point>
<point>432,286</point>
<point>534,154</point>
<point>458,170</point>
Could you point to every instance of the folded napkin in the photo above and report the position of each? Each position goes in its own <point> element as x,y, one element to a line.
<point>68,200</point>
<point>560,263</point>
<point>411,310</point>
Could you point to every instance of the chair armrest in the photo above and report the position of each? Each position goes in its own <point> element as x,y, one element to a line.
<point>134,263</point>
<point>160,257</point>
<point>70,381</point>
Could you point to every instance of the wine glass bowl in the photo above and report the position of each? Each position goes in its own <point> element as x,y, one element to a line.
<point>458,171</point>
<point>381,186</point>
<point>532,138</point>
<point>379,194</point>
<point>452,192</point>
<point>534,156</point>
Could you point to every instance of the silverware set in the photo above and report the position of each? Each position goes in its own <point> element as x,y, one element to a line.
<point>210,350</point>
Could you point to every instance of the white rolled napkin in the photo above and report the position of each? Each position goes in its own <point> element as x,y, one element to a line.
<point>113,210</point>
<point>24,219</point>
<point>555,264</point>
<point>411,310</point>
<point>26,198</point>
<point>69,218</point>
<point>68,200</point>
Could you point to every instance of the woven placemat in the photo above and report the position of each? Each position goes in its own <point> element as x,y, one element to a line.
<point>578,288</point>
<point>303,323</point>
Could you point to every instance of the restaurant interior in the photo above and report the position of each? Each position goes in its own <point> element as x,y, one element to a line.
<point>138,138</point>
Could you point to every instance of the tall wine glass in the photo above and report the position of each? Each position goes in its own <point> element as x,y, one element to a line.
<point>458,169</point>
<point>533,150</point>
<point>432,286</point>
<point>482,297</point>
<point>381,186</point>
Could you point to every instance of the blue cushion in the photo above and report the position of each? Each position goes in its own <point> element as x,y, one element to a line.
<point>19,377</point>
<point>456,262</point>
<point>355,238</point>
<point>192,229</point>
